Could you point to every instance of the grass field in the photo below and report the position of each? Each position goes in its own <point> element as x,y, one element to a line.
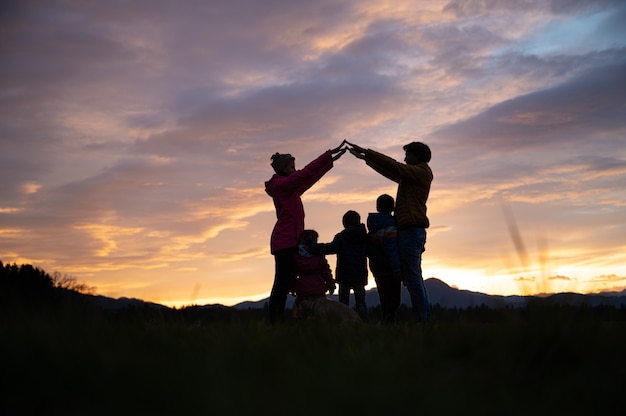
<point>538,360</point>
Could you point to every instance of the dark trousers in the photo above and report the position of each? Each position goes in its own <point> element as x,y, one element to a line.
<point>359,298</point>
<point>411,245</point>
<point>390,294</point>
<point>285,266</point>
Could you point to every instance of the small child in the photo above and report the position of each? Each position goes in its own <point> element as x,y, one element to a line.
<point>313,275</point>
<point>350,246</point>
<point>384,257</point>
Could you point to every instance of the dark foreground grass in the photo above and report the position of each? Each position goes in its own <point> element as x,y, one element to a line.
<point>540,360</point>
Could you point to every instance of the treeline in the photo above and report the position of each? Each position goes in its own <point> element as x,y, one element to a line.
<point>28,290</point>
<point>26,286</point>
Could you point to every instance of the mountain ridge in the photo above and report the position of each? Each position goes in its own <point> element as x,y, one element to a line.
<point>442,294</point>
<point>439,293</point>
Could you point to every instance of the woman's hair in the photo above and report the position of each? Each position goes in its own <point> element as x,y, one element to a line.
<point>279,161</point>
<point>309,237</point>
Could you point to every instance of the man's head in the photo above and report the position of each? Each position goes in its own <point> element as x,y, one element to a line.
<point>416,152</point>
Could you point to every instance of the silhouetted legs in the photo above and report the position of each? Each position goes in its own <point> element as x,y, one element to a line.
<point>359,298</point>
<point>390,295</point>
<point>284,273</point>
<point>411,242</point>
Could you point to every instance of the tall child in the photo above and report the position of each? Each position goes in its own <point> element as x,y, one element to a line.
<point>384,257</point>
<point>350,246</point>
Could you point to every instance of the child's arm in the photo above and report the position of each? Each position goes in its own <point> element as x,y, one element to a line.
<point>325,248</point>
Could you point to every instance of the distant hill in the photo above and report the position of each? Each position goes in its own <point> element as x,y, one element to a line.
<point>440,293</point>
<point>107,303</point>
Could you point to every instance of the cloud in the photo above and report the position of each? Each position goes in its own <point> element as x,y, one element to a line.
<point>559,278</point>
<point>464,8</point>
<point>610,278</point>
<point>564,114</point>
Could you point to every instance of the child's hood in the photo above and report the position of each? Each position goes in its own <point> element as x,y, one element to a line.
<point>378,220</point>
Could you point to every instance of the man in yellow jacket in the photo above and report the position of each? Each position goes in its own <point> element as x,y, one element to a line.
<point>414,178</point>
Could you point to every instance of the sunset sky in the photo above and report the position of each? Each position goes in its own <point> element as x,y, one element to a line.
<point>135,137</point>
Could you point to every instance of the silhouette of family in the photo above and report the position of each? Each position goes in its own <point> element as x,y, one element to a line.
<point>393,241</point>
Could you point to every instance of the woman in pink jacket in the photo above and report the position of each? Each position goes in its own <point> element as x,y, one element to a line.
<point>285,187</point>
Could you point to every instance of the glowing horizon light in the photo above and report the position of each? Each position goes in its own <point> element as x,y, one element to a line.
<point>226,301</point>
